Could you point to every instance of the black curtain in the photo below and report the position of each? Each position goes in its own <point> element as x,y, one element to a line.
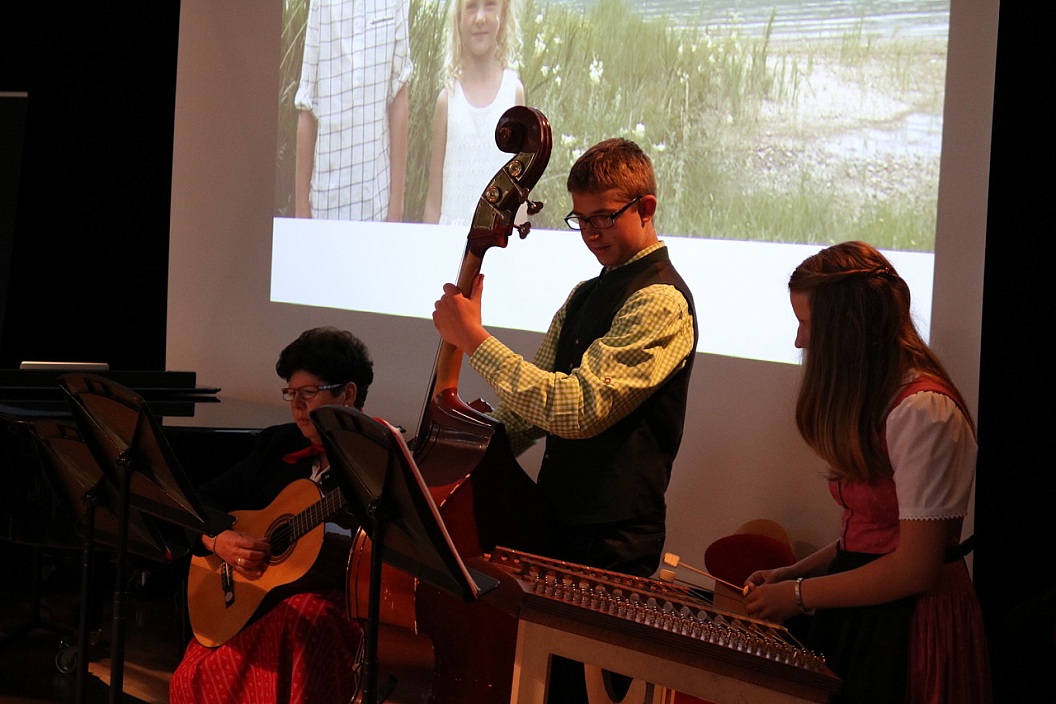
<point>1016,489</point>
<point>88,265</point>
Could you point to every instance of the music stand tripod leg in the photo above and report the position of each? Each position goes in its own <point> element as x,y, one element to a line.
<point>370,656</point>
<point>90,499</point>
<point>117,644</point>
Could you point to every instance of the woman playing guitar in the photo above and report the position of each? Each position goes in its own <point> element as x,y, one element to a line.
<point>268,615</point>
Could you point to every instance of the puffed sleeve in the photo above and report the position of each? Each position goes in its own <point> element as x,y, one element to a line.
<point>932,449</point>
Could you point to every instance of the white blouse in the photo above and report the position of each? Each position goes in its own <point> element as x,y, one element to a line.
<point>932,448</point>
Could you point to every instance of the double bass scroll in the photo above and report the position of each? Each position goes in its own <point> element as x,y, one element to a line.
<point>525,133</point>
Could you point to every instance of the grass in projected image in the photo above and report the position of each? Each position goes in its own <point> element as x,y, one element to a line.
<point>759,130</point>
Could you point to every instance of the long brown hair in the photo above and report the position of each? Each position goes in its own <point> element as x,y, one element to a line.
<point>862,344</point>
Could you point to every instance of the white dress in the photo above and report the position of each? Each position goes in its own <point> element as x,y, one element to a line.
<point>471,157</point>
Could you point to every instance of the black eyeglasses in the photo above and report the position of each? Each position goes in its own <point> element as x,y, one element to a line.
<point>598,222</point>
<point>307,393</point>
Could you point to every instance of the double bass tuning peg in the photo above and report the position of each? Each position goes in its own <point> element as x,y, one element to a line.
<point>532,207</point>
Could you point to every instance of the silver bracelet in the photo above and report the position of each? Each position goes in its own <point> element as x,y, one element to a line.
<point>797,589</point>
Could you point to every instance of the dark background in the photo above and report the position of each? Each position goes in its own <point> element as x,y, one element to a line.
<point>88,263</point>
<point>89,257</point>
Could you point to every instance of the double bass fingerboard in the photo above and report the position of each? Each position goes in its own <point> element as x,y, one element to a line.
<point>654,611</point>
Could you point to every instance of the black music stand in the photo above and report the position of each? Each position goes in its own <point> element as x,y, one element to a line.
<point>28,514</point>
<point>129,445</point>
<point>87,498</point>
<point>386,492</point>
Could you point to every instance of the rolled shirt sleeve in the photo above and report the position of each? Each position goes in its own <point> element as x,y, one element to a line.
<point>649,339</point>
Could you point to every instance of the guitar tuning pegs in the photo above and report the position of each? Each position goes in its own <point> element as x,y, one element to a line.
<point>523,229</point>
<point>534,206</point>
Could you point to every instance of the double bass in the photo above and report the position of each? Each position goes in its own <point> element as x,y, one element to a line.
<point>434,647</point>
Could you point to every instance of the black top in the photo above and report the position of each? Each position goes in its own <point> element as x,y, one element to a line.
<point>621,473</point>
<point>254,482</point>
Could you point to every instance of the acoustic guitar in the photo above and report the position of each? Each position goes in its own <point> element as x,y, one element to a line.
<point>222,601</point>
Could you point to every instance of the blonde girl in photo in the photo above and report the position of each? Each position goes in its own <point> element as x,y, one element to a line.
<point>481,83</point>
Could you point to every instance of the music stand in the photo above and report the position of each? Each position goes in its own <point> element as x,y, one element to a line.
<point>130,447</point>
<point>82,491</point>
<point>381,482</point>
<point>28,513</point>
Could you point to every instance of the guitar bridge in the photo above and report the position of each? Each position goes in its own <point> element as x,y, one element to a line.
<point>227,584</point>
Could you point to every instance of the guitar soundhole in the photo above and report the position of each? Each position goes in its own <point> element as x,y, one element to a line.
<point>282,540</point>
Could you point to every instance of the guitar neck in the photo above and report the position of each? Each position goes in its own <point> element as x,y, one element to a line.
<point>317,513</point>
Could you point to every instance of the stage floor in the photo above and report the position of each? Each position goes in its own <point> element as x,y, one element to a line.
<point>34,640</point>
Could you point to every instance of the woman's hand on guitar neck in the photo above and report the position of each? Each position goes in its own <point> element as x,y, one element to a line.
<point>457,317</point>
<point>243,552</point>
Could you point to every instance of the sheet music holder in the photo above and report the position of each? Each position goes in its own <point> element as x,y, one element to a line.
<point>380,480</point>
<point>75,477</point>
<point>121,431</point>
<point>131,450</point>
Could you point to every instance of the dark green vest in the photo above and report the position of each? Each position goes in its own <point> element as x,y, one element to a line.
<point>623,472</point>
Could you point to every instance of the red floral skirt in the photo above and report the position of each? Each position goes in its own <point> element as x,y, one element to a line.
<point>305,650</point>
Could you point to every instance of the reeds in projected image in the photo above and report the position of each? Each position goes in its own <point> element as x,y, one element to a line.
<point>294,19</point>
<point>755,134</point>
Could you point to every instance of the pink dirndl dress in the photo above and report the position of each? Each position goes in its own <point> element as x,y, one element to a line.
<point>946,652</point>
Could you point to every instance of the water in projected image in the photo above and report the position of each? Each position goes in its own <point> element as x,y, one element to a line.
<point>814,20</point>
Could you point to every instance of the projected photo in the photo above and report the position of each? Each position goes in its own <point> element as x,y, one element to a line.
<point>768,121</point>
